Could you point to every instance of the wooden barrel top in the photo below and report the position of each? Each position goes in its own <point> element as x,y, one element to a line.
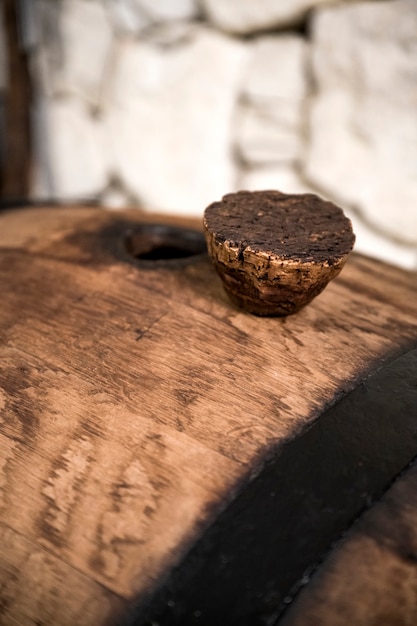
<point>138,406</point>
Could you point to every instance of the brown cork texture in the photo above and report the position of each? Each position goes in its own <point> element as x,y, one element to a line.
<point>276,252</point>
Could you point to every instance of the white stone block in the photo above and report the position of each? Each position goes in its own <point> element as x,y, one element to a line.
<point>247,16</point>
<point>277,69</point>
<point>170,118</point>
<point>284,178</point>
<point>363,148</point>
<point>170,34</point>
<point>270,134</point>
<point>163,10</point>
<point>270,123</point>
<point>70,150</point>
<point>372,243</point>
<point>75,46</point>
<point>46,56</point>
<point>126,16</point>
<point>133,16</point>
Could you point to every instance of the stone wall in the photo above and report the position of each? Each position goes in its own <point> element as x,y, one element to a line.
<point>169,104</point>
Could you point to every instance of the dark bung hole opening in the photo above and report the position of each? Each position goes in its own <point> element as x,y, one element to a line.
<point>162,244</point>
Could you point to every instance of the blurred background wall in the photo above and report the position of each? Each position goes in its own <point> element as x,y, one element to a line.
<point>168,104</point>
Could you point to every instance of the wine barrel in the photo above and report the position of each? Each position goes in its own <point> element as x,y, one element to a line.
<point>166,458</point>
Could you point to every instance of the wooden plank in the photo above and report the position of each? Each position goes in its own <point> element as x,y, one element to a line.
<point>371,576</point>
<point>137,402</point>
<point>37,587</point>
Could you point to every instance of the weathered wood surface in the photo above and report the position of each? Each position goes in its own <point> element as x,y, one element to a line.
<point>371,577</point>
<point>136,402</point>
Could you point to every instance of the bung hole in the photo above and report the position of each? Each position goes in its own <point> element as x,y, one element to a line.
<point>164,244</point>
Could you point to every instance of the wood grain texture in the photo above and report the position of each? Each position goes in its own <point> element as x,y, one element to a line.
<point>37,587</point>
<point>135,402</point>
<point>371,577</point>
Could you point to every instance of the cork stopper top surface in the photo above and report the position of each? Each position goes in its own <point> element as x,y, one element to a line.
<point>300,227</point>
